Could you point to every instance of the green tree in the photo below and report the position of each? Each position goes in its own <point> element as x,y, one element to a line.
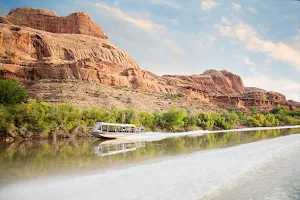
<point>205,121</point>
<point>252,122</point>
<point>68,116</point>
<point>279,110</point>
<point>253,110</point>
<point>271,120</point>
<point>4,118</point>
<point>146,119</point>
<point>190,122</point>
<point>174,118</point>
<point>11,92</point>
<point>221,122</point>
<point>158,121</point>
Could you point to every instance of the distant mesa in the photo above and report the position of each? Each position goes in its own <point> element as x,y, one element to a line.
<point>37,45</point>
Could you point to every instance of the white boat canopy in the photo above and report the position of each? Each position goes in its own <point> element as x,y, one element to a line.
<point>113,124</point>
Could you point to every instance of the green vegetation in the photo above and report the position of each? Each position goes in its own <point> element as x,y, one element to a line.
<point>43,120</point>
<point>279,116</point>
<point>11,92</point>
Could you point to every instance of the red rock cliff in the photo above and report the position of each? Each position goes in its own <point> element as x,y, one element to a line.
<point>37,44</point>
<point>47,20</point>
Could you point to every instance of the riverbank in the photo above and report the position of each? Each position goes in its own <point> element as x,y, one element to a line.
<point>41,120</point>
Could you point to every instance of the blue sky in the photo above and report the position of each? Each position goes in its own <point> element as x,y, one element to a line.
<point>259,40</point>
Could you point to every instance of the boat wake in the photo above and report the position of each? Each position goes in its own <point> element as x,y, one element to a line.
<point>156,136</point>
<point>211,174</point>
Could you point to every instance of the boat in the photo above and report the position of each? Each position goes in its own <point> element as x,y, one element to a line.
<point>118,146</point>
<point>114,131</point>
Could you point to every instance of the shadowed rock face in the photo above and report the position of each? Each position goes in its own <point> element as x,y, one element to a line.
<point>37,44</point>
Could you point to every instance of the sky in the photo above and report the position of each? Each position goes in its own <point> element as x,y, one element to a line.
<point>256,39</point>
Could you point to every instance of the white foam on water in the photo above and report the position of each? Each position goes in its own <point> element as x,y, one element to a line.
<point>200,175</point>
<point>279,179</point>
<point>155,136</point>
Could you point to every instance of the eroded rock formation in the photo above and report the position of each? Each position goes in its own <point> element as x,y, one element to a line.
<point>37,44</point>
<point>47,20</point>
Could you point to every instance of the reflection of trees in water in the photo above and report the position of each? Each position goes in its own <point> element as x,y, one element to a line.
<point>32,158</point>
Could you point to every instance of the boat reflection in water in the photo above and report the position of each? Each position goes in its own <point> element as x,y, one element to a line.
<point>118,146</point>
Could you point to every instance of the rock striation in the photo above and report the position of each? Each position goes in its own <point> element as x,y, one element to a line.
<point>31,53</point>
<point>47,20</point>
<point>37,44</point>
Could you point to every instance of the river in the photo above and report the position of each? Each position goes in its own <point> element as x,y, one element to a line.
<point>257,165</point>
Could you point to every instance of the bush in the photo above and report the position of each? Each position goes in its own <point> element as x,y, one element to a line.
<point>43,118</point>
<point>253,110</point>
<point>67,116</point>
<point>4,119</point>
<point>159,122</point>
<point>294,113</point>
<point>93,115</point>
<point>190,122</point>
<point>271,120</point>
<point>11,92</point>
<point>146,119</point>
<point>231,117</point>
<point>279,110</point>
<point>173,119</point>
<point>222,123</point>
<point>252,122</point>
<point>205,121</point>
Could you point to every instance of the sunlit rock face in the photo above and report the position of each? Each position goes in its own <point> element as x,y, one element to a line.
<point>37,44</point>
<point>47,20</point>
<point>46,46</point>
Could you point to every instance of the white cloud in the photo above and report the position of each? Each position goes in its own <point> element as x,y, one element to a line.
<point>268,61</point>
<point>223,30</point>
<point>236,6</point>
<point>208,4</point>
<point>225,21</point>
<point>252,10</point>
<point>169,3</point>
<point>210,39</point>
<point>153,32</point>
<point>116,2</point>
<point>251,40</point>
<point>290,17</point>
<point>287,87</point>
<point>248,61</point>
<point>252,70</point>
<point>175,21</point>
<point>139,22</point>
<point>296,41</point>
<point>172,46</point>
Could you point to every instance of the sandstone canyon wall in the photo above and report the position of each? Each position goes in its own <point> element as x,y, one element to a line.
<point>37,44</point>
<point>47,20</point>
